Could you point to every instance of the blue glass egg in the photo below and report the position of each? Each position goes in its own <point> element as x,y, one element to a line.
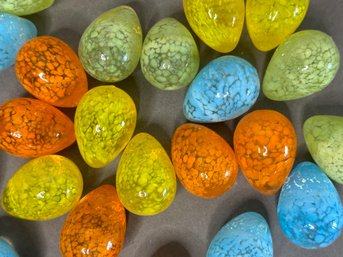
<point>246,235</point>
<point>224,89</point>
<point>309,210</point>
<point>6,249</point>
<point>14,33</point>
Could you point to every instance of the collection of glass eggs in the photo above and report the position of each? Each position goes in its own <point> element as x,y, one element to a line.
<point>309,209</point>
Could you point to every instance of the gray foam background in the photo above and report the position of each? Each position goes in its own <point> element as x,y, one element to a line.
<point>187,227</point>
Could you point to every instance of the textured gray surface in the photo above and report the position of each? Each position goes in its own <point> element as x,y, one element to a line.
<point>186,228</point>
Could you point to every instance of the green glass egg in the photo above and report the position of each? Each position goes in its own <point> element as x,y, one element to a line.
<point>324,139</point>
<point>105,120</point>
<point>302,65</point>
<point>170,57</point>
<point>111,46</point>
<point>42,189</point>
<point>24,7</point>
<point>145,179</point>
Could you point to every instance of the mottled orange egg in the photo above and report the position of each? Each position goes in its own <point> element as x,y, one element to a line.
<point>265,144</point>
<point>204,162</point>
<point>32,128</point>
<point>50,70</point>
<point>96,226</point>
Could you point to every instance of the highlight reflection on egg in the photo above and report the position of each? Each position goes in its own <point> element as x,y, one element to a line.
<point>310,210</point>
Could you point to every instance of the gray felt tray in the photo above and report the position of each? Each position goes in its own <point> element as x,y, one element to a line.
<point>187,227</point>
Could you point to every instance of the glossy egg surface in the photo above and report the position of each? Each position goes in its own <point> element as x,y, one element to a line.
<point>265,144</point>
<point>204,162</point>
<point>245,235</point>
<point>224,89</point>
<point>104,123</point>
<point>218,24</point>
<point>145,178</point>
<point>96,226</point>
<point>31,128</point>
<point>50,70</point>
<point>310,210</point>
<point>42,189</point>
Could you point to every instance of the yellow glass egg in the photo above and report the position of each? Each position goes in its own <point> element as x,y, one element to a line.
<point>145,179</point>
<point>271,22</point>
<point>218,24</point>
<point>42,189</point>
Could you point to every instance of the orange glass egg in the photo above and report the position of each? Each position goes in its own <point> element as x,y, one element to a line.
<point>50,70</point>
<point>31,128</point>
<point>204,162</point>
<point>96,226</point>
<point>265,144</point>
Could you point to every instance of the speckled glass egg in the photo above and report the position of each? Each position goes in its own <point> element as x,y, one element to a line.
<point>265,144</point>
<point>310,211</point>
<point>204,162</point>
<point>111,45</point>
<point>44,188</point>
<point>14,33</point>
<point>170,57</point>
<point>145,178</point>
<point>96,226</point>
<point>246,235</point>
<point>6,250</point>
<point>302,65</point>
<point>31,128</point>
<point>218,24</point>
<point>224,89</point>
<point>50,70</point>
<point>324,136</point>
<point>269,23</point>
<point>24,7</point>
<point>105,120</point>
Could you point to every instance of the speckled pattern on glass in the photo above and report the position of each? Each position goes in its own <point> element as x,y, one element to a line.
<point>104,120</point>
<point>170,57</point>
<point>218,24</point>
<point>309,210</point>
<point>304,64</point>
<point>14,32</point>
<point>246,235</point>
<point>24,7</point>
<point>145,178</point>
<point>271,22</point>
<point>324,139</point>
<point>42,189</point>
<point>110,47</point>
<point>224,89</point>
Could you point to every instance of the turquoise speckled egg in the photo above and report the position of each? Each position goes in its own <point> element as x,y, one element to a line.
<point>224,89</point>
<point>246,235</point>
<point>14,33</point>
<point>6,250</point>
<point>24,7</point>
<point>324,136</point>
<point>110,47</point>
<point>170,57</point>
<point>302,65</point>
<point>310,210</point>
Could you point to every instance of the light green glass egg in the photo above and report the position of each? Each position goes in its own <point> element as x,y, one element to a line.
<point>145,178</point>
<point>110,47</point>
<point>42,189</point>
<point>304,64</point>
<point>324,139</point>
<point>105,120</point>
<point>24,7</point>
<point>170,57</point>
